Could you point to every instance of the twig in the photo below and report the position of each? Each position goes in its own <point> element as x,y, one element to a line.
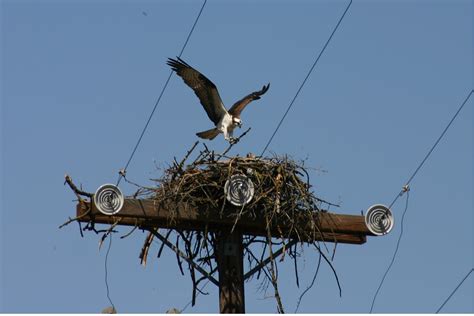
<point>296,267</point>
<point>235,142</point>
<point>311,285</point>
<point>237,218</point>
<point>274,279</point>
<point>179,254</point>
<point>109,231</point>
<point>91,226</point>
<point>180,265</point>
<point>80,229</point>
<point>332,268</point>
<point>130,232</point>
<point>328,203</point>
<point>181,164</point>
<point>68,180</point>
<point>141,187</point>
<point>163,244</point>
<point>77,218</point>
<point>262,263</point>
<point>259,263</point>
<point>146,246</point>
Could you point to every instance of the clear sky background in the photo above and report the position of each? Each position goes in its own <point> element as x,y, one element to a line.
<point>79,79</point>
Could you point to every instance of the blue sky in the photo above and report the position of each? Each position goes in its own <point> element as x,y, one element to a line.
<point>79,79</point>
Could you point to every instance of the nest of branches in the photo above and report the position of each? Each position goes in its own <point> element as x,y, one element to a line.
<point>282,199</point>
<point>280,187</point>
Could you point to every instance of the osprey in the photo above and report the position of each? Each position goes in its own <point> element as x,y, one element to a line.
<point>225,121</point>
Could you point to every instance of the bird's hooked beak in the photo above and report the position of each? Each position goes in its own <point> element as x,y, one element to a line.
<point>237,121</point>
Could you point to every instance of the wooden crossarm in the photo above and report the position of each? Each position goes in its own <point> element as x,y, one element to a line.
<point>149,214</point>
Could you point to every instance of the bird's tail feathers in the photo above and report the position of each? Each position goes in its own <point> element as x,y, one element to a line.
<point>209,134</point>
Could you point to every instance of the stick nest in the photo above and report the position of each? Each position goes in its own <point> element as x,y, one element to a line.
<point>282,196</point>
<point>281,187</point>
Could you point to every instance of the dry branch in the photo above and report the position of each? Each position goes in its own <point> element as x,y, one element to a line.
<point>68,180</point>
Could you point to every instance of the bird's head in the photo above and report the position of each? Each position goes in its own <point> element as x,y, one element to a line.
<point>237,121</point>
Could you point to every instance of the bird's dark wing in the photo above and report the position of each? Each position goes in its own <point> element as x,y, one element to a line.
<point>239,106</point>
<point>205,90</point>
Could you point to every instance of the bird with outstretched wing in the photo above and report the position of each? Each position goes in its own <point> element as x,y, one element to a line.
<point>225,121</point>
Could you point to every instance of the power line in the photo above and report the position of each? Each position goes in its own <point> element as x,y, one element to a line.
<point>123,171</point>
<point>406,189</point>
<point>452,293</point>
<point>433,147</point>
<point>106,272</point>
<point>306,78</point>
<point>394,254</point>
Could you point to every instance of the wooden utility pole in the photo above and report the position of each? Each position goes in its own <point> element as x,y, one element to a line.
<point>231,272</point>
<point>148,214</point>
